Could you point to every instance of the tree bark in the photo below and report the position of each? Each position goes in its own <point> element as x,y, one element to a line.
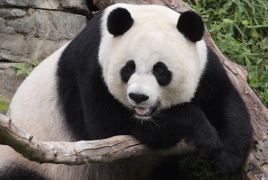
<point>76,153</point>
<point>119,147</point>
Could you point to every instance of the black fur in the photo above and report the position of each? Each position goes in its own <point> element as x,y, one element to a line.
<point>226,111</point>
<point>162,74</point>
<point>119,21</point>
<point>82,90</point>
<point>191,26</point>
<point>170,166</point>
<point>127,71</point>
<point>216,121</point>
<point>14,171</point>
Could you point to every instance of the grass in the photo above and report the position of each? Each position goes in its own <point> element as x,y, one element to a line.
<point>195,167</point>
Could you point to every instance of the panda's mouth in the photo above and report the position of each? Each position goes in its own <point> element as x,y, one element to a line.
<point>144,112</point>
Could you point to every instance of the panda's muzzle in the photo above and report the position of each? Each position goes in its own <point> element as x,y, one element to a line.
<point>141,111</point>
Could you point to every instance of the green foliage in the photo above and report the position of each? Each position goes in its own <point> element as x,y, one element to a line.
<point>4,102</point>
<point>240,30</point>
<point>25,68</point>
<point>22,68</point>
<point>194,166</point>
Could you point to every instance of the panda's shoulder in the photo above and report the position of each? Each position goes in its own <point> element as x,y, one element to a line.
<point>214,82</point>
<point>82,48</point>
<point>214,66</point>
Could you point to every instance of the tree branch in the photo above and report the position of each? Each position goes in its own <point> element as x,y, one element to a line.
<point>75,153</point>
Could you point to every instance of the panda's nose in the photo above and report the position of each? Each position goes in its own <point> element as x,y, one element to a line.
<point>138,98</point>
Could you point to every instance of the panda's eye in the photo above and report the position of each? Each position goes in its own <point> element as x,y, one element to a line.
<point>162,74</point>
<point>131,68</point>
<point>127,71</point>
<point>159,70</point>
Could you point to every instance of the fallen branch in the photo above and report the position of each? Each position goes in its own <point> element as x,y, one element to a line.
<point>75,153</point>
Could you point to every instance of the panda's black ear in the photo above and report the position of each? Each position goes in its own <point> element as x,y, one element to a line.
<point>191,26</point>
<point>119,21</point>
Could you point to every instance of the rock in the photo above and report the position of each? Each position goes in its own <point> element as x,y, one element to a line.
<point>46,4</point>
<point>79,4</point>
<point>11,13</point>
<point>37,34</point>
<point>34,29</point>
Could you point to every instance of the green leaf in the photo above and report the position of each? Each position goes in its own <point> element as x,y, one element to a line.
<point>19,72</point>
<point>4,101</point>
<point>245,22</point>
<point>251,75</point>
<point>258,61</point>
<point>3,107</point>
<point>19,65</point>
<point>29,70</point>
<point>34,62</point>
<point>255,34</point>
<point>228,21</point>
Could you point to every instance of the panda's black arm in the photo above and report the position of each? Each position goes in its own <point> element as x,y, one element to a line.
<point>185,121</point>
<point>233,125</point>
<point>226,111</point>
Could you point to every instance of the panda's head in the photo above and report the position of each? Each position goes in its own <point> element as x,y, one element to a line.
<point>152,57</point>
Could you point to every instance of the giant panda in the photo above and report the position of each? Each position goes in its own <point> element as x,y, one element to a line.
<point>141,70</point>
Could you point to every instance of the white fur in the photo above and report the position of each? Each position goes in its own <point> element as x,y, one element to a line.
<point>140,83</point>
<point>39,93</point>
<point>152,38</point>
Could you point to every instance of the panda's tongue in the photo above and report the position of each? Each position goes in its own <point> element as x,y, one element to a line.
<point>142,111</point>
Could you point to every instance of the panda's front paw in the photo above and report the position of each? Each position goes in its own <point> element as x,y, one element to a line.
<point>227,164</point>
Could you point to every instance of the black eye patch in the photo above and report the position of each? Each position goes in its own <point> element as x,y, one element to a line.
<point>162,74</point>
<point>127,71</point>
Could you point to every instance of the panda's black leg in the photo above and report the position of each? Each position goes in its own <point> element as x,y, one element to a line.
<point>168,169</point>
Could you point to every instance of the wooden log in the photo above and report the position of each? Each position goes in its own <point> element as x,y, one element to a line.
<point>76,153</point>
